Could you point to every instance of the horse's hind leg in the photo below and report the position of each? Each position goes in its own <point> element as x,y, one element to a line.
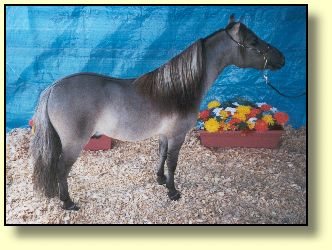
<point>161,178</point>
<point>174,145</point>
<point>67,158</point>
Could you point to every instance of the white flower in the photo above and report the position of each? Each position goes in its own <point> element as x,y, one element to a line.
<point>216,111</point>
<point>236,104</point>
<point>252,119</point>
<point>259,104</point>
<point>274,110</point>
<point>232,110</point>
<point>200,125</point>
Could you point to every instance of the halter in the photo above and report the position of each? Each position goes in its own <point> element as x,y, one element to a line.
<point>264,74</point>
<point>264,54</point>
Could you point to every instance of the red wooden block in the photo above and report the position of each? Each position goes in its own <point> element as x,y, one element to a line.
<point>31,123</point>
<point>234,139</point>
<point>101,143</point>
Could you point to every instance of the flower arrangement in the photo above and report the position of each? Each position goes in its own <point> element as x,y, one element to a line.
<point>240,115</point>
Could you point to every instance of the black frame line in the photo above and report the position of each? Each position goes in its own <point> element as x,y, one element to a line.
<point>153,225</point>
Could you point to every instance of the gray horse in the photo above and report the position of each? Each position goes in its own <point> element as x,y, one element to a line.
<point>164,102</point>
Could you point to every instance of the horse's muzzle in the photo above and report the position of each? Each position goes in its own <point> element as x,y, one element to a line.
<point>277,61</point>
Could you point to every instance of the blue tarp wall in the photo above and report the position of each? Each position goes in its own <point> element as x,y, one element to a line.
<point>46,43</point>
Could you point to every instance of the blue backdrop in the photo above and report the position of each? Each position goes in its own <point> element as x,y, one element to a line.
<point>46,43</point>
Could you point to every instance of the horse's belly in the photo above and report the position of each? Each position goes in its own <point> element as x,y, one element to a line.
<point>126,130</point>
<point>136,129</point>
<point>127,135</point>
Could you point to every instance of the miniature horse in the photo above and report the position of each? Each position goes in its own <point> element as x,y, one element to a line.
<point>163,102</point>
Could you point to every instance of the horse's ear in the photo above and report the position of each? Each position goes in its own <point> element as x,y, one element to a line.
<point>235,28</point>
<point>231,18</point>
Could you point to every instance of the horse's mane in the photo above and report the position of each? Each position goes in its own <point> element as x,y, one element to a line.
<point>176,85</point>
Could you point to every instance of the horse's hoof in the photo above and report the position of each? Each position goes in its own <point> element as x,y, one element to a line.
<point>161,180</point>
<point>72,207</point>
<point>174,196</point>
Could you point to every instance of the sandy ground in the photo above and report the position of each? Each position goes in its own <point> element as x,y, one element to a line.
<point>224,186</point>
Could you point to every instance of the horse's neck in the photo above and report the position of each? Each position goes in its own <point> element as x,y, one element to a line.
<point>218,55</point>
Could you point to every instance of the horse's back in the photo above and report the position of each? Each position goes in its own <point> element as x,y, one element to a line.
<point>81,89</point>
<point>83,76</point>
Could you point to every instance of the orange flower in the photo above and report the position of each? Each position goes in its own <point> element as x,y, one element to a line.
<point>253,113</point>
<point>224,126</point>
<point>266,107</point>
<point>261,126</point>
<point>281,117</point>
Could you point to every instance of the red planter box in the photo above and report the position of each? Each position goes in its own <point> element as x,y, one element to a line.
<point>235,139</point>
<point>101,143</point>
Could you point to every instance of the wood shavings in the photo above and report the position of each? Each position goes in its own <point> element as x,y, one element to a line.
<point>224,186</point>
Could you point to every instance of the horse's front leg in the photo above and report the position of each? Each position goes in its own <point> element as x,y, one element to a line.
<point>161,178</point>
<point>174,145</point>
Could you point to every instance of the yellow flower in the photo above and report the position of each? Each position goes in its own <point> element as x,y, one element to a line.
<point>240,116</point>
<point>268,119</point>
<point>251,125</point>
<point>243,109</point>
<point>212,125</point>
<point>213,104</point>
<point>223,114</point>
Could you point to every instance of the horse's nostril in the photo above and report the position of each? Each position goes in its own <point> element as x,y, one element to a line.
<point>282,61</point>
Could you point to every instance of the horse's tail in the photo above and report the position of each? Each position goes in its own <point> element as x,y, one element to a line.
<point>45,149</point>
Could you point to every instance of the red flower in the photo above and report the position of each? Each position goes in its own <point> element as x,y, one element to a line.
<point>281,117</point>
<point>233,123</point>
<point>261,126</point>
<point>266,107</point>
<point>253,113</point>
<point>234,120</point>
<point>204,115</point>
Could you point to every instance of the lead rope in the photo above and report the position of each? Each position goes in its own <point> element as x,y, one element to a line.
<point>268,83</point>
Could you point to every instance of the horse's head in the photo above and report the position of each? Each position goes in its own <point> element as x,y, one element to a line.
<point>251,51</point>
